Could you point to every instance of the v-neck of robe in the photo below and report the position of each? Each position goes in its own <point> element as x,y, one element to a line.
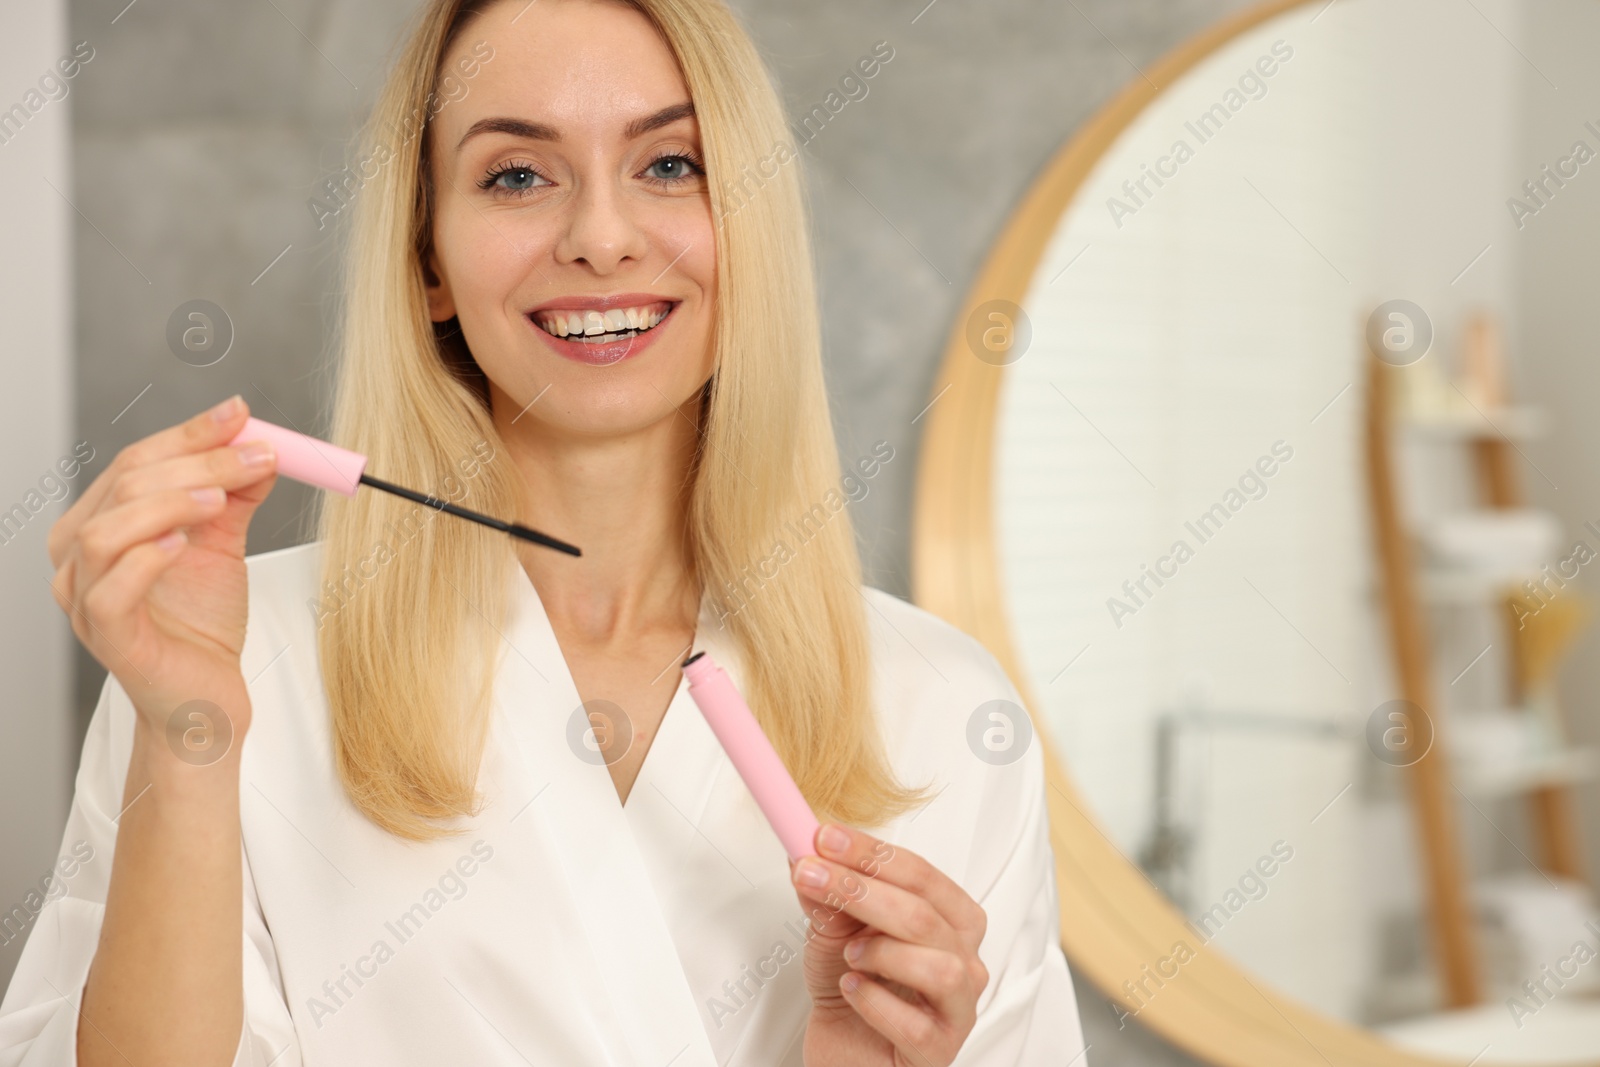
<point>619,910</point>
<point>670,718</point>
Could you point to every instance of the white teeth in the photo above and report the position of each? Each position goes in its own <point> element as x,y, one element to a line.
<point>594,323</point>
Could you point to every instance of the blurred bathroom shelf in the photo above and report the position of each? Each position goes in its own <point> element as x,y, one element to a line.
<point>1405,996</point>
<point>1464,588</point>
<point>1484,553</point>
<point>1564,1031</point>
<point>1446,587</point>
<point>1520,774</point>
<point>1518,422</point>
<point>1502,751</point>
<point>1493,561</point>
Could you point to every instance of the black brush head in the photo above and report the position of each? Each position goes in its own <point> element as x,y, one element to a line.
<point>513,528</point>
<point>523,532</point>
<point>692,658</point>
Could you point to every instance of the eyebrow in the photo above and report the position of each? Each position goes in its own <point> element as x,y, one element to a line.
<point>539,131</point>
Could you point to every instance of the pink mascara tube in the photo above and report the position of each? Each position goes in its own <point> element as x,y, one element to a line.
<point>752,754</point>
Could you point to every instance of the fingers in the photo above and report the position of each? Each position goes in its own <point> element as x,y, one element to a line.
<point>895,911</point>
<point>106,536</point>
<point>208,429</point>
<point>112,615</point>
<point>921,1038</point>
<point>910,968</point>
<point>903,868</point>
<point>829,920</point>
<point>231,467</point>
<point>917,901</point>
<point>949,982</point>
<point>119,555</point>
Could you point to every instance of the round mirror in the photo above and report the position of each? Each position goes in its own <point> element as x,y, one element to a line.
<point>1242,462</point>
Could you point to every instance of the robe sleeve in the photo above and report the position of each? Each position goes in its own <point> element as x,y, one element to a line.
<point>1027,1015</point>
<point>39,1016</point>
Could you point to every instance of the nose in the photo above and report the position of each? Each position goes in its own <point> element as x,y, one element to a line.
<point>601,228</point>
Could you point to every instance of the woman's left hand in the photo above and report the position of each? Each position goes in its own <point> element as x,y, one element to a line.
<point>892,961</point>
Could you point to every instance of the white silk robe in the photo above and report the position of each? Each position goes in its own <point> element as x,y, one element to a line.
<point>563,927</point>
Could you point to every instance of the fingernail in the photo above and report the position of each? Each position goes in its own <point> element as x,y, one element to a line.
<point>854,949</point>
<point>172,541</point>
<point>832,839</point>
<point>849,982</point>
<point>227,409</point>
<point>812,874</point>
<point>255,453</point>
<point>211,494</point>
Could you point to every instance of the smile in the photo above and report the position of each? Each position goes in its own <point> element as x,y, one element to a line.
<point>590,326</point>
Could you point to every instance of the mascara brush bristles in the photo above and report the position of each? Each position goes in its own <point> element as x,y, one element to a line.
<point>514,529</point>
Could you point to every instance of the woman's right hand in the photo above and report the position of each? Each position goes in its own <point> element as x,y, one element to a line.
<point>150,564</point>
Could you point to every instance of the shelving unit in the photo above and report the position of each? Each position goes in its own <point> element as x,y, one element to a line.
<point>1534,773</point>
<point>1482,420</point>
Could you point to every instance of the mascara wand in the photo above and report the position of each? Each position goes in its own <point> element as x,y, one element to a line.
<point>327,466</point>
<point>513,528</point>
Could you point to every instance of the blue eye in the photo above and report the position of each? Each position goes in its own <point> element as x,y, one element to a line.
<point>685,168</point>
<point>513,178</point>
<point>680,164</point>
<point>521,178</point>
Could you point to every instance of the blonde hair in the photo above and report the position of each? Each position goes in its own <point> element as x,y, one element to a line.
<point>408,656</point>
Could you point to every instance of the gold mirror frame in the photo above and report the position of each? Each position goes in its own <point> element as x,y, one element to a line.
<point>1114,922</point>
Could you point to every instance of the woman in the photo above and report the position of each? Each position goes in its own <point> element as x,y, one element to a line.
<point>579,293</point>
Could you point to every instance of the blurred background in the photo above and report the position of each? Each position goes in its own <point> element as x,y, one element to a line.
<point>1207,323</point>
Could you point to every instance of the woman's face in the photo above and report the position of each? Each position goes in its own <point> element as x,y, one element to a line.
<point>571,200</point>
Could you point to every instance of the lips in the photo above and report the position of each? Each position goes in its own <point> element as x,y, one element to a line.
<point>600,331</point>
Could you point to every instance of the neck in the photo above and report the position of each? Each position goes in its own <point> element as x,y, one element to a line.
<point>622,500</point>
